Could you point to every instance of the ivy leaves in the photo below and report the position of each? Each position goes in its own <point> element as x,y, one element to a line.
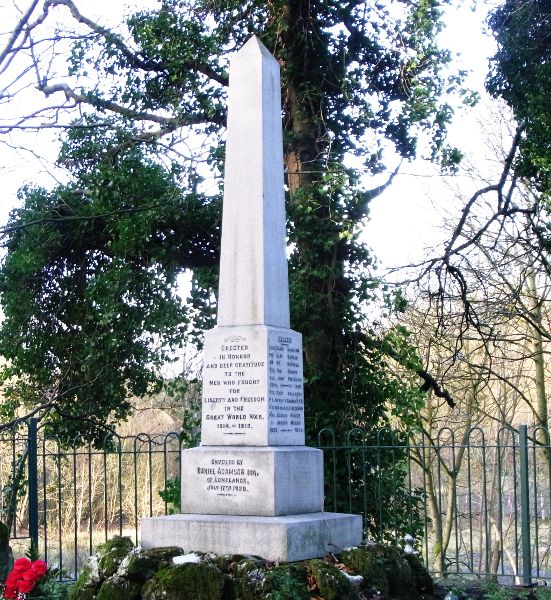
<point>89,289</point>
<point>521,75</point>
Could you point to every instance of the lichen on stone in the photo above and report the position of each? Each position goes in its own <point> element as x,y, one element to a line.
<point>111,554</point>
<point>331,582</point>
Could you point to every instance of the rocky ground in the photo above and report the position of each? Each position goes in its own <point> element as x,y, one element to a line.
<point>118,571</point>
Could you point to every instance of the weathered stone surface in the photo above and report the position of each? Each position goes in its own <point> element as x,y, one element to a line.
<point>111,554</point>
<point>331,582</point>
<point>263,481</point>
<point>142,565</point>
<point>118,588</point>
<point>192,581</point>
<point>286,538</point>
<point>252,387</point>
<point>85,587</point>
<point>101,566</point>
<point>253,264</point>
<point>248,577</point>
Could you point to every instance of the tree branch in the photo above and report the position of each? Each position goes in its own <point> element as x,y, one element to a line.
<point>17,31</point>
<point>134,61</point>
<point>4,231</point>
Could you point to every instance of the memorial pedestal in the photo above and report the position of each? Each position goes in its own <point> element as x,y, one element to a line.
<point>288,538</point>
<point>262,481</point>
<point>252,487</point>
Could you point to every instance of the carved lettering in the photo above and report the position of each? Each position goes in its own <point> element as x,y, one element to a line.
<point>228,476</point>
<point>250,390</point>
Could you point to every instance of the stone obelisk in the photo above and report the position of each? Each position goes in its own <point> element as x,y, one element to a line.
<point>253,487</point>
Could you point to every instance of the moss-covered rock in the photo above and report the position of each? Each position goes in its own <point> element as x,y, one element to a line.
<point>286,582</point>
<point>111,554</point>
<point>254,581</point>
<point>85,587</point>
<point>369,562</point>
<point>192,581</point>
<point>383,568</point>
<point>141,565</point>
<point>247,575</point>
<point>331,582</point>
<point>227,563</point>
<point>398,572</point>
<point>151,575</point>
<point>422,580</point>
<point>119,588</point>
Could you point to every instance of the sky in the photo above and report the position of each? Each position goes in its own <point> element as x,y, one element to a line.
<point>407,219</point>
<point>404,220</point>
<point>19,167</point>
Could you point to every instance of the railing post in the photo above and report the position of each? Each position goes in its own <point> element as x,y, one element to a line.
<point>525,507</point>
<point>32,446</point>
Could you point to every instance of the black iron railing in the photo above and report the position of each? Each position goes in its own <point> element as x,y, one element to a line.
<point>476,503</point>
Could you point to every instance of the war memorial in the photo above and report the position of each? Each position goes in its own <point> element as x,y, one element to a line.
<point>252,486</point>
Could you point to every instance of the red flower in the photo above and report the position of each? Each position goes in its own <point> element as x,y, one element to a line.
<point>23,578</point>
<point>27,578</point>
<point>21,564</point>
<point>12,579</point>
<point>39,568</point>
<point>10,592</point>
<point>25,586</point>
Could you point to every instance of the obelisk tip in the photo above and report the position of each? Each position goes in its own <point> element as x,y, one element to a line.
<point>255,46</point>
<point>253,288</point>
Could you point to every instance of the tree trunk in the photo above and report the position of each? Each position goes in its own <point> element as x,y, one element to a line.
<point>319,289</point>
<point>542,421</point>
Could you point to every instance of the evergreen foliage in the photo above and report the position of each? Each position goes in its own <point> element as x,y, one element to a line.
<point>521,75</point>
<point>88,284</point>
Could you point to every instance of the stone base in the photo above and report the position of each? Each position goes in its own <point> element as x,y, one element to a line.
<point>260,481</point>
<point>288,539</point>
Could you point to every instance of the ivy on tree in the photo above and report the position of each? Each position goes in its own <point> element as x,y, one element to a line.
<point>89,288</point>
<point>521,75</point>
<point>88,281</point>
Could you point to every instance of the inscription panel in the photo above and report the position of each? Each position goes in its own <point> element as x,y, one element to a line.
<point>227,482</point>
<point>252,481</point>
<point>252,387</point>
<point>228,478</point>
<point>234,388</point>
<point>285,388</point>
